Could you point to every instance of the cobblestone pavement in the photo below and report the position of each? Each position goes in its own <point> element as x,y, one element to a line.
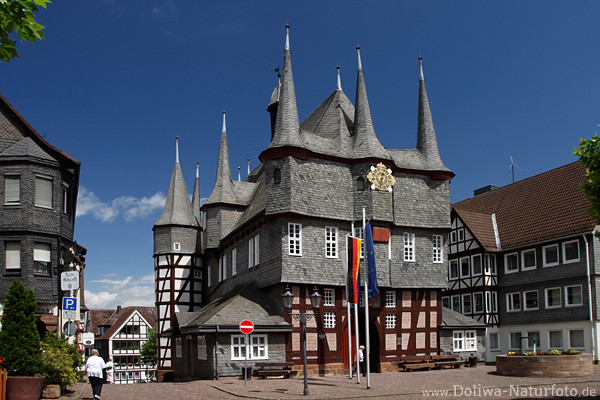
<point>478,383</point>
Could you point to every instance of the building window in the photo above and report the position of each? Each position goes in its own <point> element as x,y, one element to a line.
<point>390,321</point>
<point>573,296</point>
<point>43,191</point>
<point>233,262</point>
<point>470,341</point>
<point>490,264</point>
<point>197,274</point>
<point>178,348</point>
<point>295,239</point>
<point>446,301</point>
<point>458,340</point>
<point>329,297</point>
<point>461,235</point>
<point>553,298</point>
<point>12,189</point>
<point>529,342</point>
<point>259,347</point>
<point>478,302</point>
<point>466,303</point>
<point>360,233</point>
<point>41,258</point>
<point>360,184</point>
<point>456,303</point>
<point>550,255</point>
<point>476,264</point>
<point>555,339</point>
<point>494,341</point>
<point>453,237</point>
<point>438,249</point>
<point>453,269</point>
<point>511,263</point>
<point>208,275</point>
<point>223,268</point>
<point>176,246</point>
<point>513,302</point>
<point>515,340</point>
<point>570,251</point>
<point>329,320</point>
<point>331,240</point>
<point>409,247</point>
<point>576,339</point>
<point>531,300</point>
<point>495,302</point>
<point>276,175</point>
<point>528,259</point>
<point>65,198</point>
<point>464,267</point>
<point>253,251</point>
<point>238,347</point>
<point>390,298</point>
<point>13,255</point>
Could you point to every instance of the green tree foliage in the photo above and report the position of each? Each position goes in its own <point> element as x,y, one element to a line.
<point>19,338</point>
<point>17,17</point>
<point>148,352</point>
<point>61,360</point>
<point>589,155</point>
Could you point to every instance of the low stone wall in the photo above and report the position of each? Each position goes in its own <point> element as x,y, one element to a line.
<point>545,366</point>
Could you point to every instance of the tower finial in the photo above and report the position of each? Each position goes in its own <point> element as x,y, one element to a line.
<point>287,38</point>
<point>339,80</point>
<point>197,169</point>
<point>177,149</point>
<point>359,61</point>
<point>248,160</point>
<point>224,124</point>
<point>422,77</point>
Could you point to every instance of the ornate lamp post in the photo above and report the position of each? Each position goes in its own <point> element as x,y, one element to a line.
<point>315,301</point>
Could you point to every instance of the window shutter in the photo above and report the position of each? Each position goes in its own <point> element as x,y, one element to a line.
<point>43,192</point>
<point>13,255</point>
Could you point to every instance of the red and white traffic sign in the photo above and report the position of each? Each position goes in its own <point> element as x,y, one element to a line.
<point>246,327</point>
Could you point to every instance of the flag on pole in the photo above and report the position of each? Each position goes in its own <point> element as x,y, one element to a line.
<point>370,250</point>
<point>353,252</point>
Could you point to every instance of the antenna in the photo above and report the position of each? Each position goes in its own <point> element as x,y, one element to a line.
<point>512,168</point>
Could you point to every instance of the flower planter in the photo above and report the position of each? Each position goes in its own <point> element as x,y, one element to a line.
<point>545,366</point>
<point>24,387</point>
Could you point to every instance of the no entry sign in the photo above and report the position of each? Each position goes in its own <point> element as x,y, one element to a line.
<point>246,327</point>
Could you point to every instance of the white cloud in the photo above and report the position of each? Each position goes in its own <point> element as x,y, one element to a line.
<point>128,206</point>
<point>110,293</point>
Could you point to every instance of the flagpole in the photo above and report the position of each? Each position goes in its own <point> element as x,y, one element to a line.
<point>348,315</point>
<point>356,338</point>
<point>366,300</point>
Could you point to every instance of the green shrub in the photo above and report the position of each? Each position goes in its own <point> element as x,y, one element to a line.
<point>61,361</point>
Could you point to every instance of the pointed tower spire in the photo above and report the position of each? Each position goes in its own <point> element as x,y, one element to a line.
<point>426,137</point>
<point>196,194</point>
<point>178,209</point>
<point>339,80</point>
<point>287,125</point>
<point>223,192</point>
<point>366,143</point>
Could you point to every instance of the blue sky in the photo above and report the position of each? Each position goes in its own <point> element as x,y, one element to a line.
<point>116,80</point>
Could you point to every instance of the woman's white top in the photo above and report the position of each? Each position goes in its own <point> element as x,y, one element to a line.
<point>94,366</point>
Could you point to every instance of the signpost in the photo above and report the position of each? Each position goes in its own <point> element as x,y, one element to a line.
<point>246,327</point>
<point>69,280</point>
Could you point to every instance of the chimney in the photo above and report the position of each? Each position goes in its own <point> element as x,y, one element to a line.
<point>118,309</point>
<point>484,189</point>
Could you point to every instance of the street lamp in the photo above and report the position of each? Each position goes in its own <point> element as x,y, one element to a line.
<point>315,301</point>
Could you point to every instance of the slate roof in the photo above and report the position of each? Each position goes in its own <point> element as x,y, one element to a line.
<point>544,207</point>
<point>178,208</point>
<point>228,312</point>
<point>116,318</point>
<point>453,320</point>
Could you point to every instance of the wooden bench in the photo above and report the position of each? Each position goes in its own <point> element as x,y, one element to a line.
<point>266,369</point>
<point>445,357</point>
<point>451,364</point>
<point>421,365</point>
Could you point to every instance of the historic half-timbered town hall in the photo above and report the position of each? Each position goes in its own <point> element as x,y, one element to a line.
<point>231,258</point>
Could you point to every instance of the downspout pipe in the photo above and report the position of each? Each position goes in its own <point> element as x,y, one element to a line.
<point>217,352</point>
<point>589,284</point>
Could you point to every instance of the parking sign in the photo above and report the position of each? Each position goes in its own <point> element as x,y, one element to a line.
<point>69,304</point>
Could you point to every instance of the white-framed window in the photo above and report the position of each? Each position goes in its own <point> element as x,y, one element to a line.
<point>570,251</point>
<point>259,347</point>
<point>530,300</point>
<point>331,242</point>
<point>461,235</point>
<point>257,249</point>
<point>465,269</point>
<point>550,255</point>
<point>176,246</point>
<point>223,267</point>
<point>41,258</point>
<point>573,296</point>
<point>555,340</point>
<point>453,237</point>
<point>476,266</point>
<point>513,302</point>
<point>490,264</point>
<point>453,268</point>
<point>528,260</point>
<point>294,239</point>
<point>202,351</point>
<point>529,343</point>
<point>466,303</point>
<point>233,262</point>
<point>65,199</point>
<point>238,347</point>
<point>253,251</point>
<point>515,340</point>
<point>12,255</point>
<point>438,248</point>
<point>446,301</point>
<point>470,341</point>
<point>576,339</point>
<point>455,302</point>
<point>478,302</point>
<point>390,298</point>
<point>458,340</point>
<point>208,268</point>
<point>409,247</point>
<point>511,263</point>
<point>491,301</point>
<point>43,191</point>
<point>552,297</point>
<point>495,302</point>
<point>12,189</point>
<point>329,297</point>
<point>329,320</point>
<point>390,321</point>
<point>197,273</point>
<point>494,341</point>
<point>178,347</point>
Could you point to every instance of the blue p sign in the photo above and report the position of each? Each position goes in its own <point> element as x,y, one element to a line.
<point>69,304</point>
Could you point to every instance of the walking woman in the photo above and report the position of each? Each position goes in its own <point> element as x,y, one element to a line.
<point>94,366</point>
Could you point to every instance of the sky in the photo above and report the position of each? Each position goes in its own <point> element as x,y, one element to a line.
<point>115,81</point>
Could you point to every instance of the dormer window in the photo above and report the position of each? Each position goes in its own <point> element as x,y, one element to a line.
<point>177,246</point>
<point>360,184</point>
<point>277,175</point>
